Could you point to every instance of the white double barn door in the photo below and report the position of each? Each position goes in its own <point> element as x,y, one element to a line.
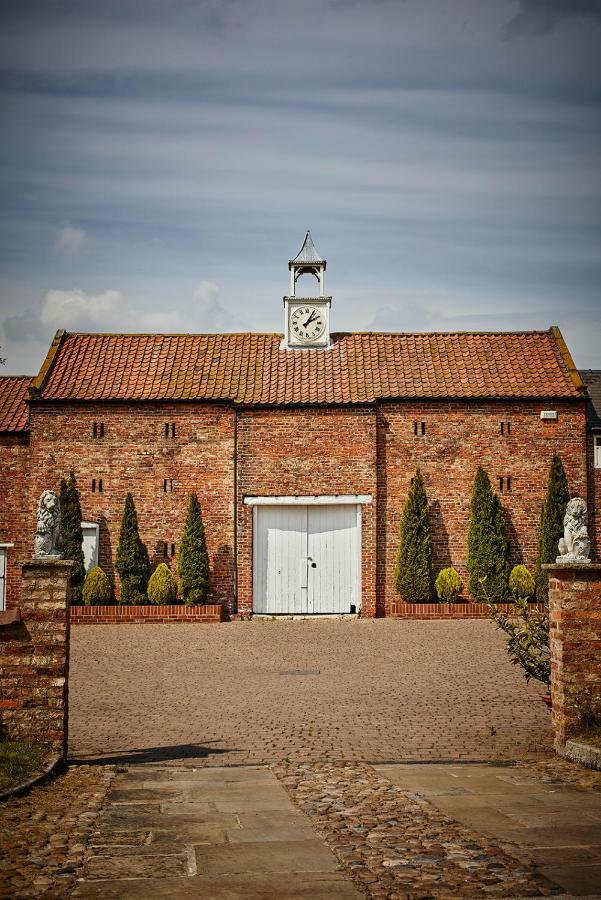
<point>307,559</point>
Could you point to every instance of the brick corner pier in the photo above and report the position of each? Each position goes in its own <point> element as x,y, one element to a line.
<point>575,642</point>
<point>34,657</point>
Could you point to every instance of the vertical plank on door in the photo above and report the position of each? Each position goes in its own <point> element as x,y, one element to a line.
<point>280,559</point>
<point>334,545</point>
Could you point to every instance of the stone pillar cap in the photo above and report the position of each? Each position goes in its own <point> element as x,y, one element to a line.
<point>41,562</point>
<point>572,566</point>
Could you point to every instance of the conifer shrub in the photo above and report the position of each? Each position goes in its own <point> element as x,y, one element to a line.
<point>448,585</point>
<point>131,562</point>
<point>193,559</point>
<point>72,535</point>
<point>413,577</point>
<point>97,588</point>
<point>162,587</point>
<point>551,525</point>
<point>487,551</point>
<point>521,582</point>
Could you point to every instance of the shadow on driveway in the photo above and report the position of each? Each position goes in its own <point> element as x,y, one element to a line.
<point>148,755</point>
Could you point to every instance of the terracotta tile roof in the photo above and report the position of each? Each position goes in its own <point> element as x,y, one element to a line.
<point>14,412</point>
<point>360,367</point>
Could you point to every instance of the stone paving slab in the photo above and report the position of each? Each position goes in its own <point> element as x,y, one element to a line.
<point>206,833</point>
<point>386,690</point>
<point>261,857</point>
<point>553,825</point>
<point>296,886</point>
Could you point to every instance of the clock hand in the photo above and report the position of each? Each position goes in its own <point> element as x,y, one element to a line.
<point>310,319</point>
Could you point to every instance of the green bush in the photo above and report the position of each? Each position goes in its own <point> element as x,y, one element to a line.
<point>448,585</point>
<point>487,560</point>
<point>193,559</point>
<point>521,582</point>
<point>131,561</point>
<point>72,535</point>
<point>162,587</point>
<point>551,525</point>
<point>97,588</point>
<point>527,638</point>
<point>413,573</point>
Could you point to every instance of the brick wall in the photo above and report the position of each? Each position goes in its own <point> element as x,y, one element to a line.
<point>458,437</point>
<point>350,450</point>
<point>575,639</point>
<point>135,455</point>
<point>306,451</point>
<point>34,658</point>
<point>15,526</point>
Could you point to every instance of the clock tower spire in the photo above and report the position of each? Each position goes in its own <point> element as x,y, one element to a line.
<point>307,319</point>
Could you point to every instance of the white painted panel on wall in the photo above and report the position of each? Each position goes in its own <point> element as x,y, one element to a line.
<point>2,578</point>
<point>90,544</point>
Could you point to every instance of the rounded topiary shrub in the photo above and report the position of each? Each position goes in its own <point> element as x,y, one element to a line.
<point>97,588</point>
<point>521,582</point>
<point>448,585</point>
<point>162,587</point>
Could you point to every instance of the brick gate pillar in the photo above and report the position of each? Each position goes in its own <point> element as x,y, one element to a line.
<point>575,642</point>
<point>34,657</point>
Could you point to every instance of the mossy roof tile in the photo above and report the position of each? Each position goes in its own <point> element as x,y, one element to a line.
<point>358,368</point>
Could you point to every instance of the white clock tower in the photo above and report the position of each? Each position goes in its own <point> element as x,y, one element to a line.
<point>307,319</point>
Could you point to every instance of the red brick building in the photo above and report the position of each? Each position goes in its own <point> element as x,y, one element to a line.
<point>301,448</point>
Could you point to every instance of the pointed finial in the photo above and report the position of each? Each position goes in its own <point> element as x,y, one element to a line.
<point>307,255</point>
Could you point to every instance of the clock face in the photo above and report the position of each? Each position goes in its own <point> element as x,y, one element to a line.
<point>307,323</point>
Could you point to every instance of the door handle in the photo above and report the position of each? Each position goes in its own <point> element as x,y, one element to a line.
<point>313,565</point>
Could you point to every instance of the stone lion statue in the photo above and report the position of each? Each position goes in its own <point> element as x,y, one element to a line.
<point>47,533</point>
<point>575,545</point>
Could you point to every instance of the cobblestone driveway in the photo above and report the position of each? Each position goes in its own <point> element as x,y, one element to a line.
<point>255,692</point>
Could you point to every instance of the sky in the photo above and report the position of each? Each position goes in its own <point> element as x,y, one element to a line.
<point>162,159</point>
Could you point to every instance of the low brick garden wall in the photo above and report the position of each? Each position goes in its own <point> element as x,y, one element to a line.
<point>215,612</point>
<point>467,610</point>
<point>134,615</point>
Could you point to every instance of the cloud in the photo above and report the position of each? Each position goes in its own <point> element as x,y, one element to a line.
<point>538,17</point>
<point>69,240</point>
<point>74,310</point>
<point>209,313</point>
<point>23,327</point>
<point>77,311</point>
